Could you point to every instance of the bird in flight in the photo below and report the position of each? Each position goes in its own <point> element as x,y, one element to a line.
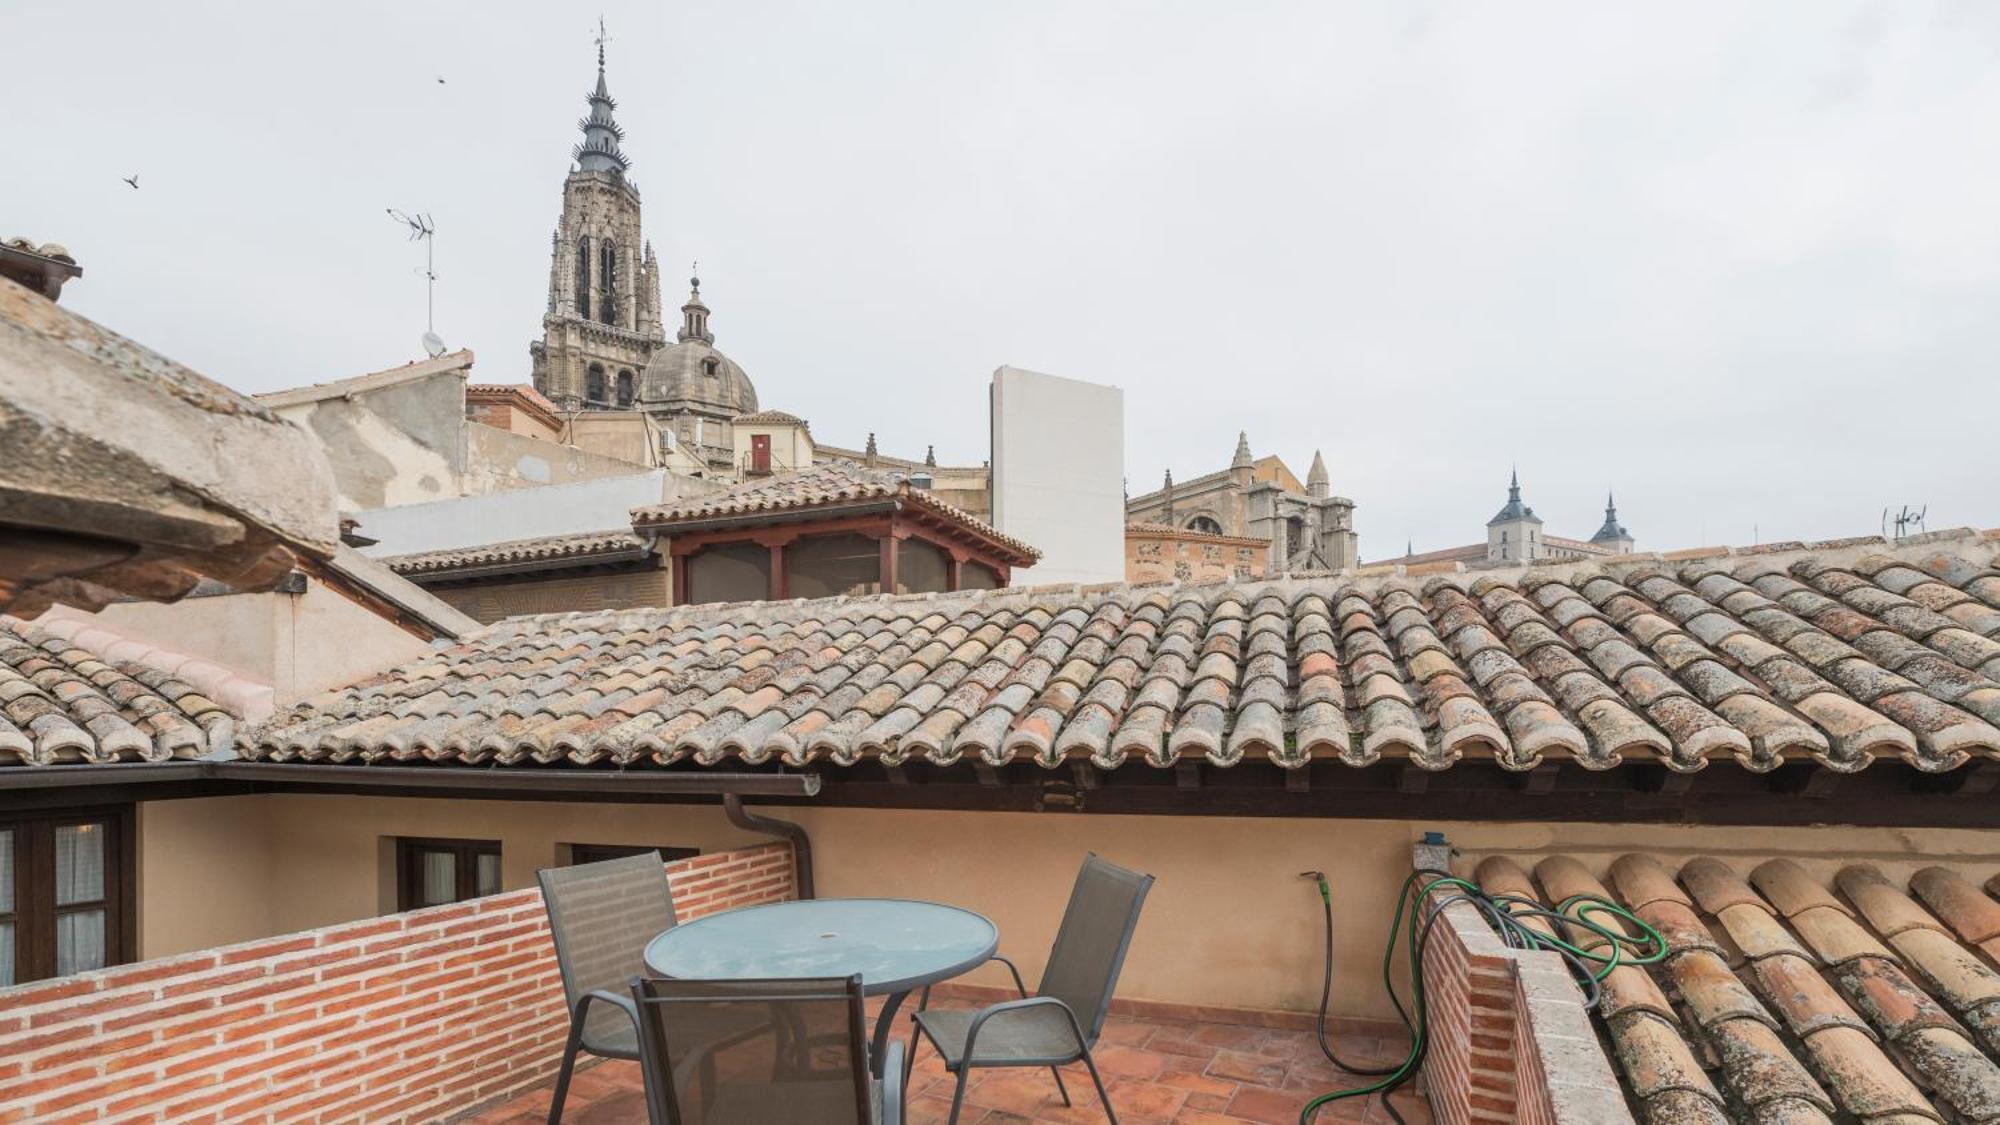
<point>132,179</point>
<point>440,79</point>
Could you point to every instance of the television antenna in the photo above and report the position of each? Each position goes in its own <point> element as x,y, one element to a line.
<point>1905,519</point>
<point>423,230</point>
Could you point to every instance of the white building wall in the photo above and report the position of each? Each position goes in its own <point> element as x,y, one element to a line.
<point>522,513</point>
<point>1058,474</point>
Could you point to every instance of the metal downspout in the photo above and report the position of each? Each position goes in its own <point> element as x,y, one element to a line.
<point>802,854</point>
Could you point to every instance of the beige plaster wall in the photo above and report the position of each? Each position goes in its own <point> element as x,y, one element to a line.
<point>325,640</point>
<point>300,644</point>
<point>1229,923</point>
<point>237,631</point>
<point>205,873</point>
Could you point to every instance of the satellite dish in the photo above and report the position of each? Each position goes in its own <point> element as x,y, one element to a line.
<point>434,344</point>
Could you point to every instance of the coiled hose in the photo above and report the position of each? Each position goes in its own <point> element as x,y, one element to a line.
<point>1419,904</point>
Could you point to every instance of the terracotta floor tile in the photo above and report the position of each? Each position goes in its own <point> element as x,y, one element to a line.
<point>1158,1072</point>
<point>1237,1066</point>
<point>1267,1106</point>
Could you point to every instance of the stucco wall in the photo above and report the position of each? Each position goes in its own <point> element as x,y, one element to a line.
<point>205,873</point>
<point>497,460</point>
<point>1229,923</point>
<point>1059,473</point>
<point>390,445</point>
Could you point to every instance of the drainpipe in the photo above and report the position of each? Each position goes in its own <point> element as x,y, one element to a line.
<point>802,853</point>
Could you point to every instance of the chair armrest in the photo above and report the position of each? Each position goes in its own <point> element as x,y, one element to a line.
<point>892,1083</point>
<point>1014,971</point>
<point>630,1007</point>
<point>979,1021</point>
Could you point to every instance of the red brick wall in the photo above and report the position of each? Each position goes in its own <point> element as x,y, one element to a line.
<point>406,1018</point>
<point>1510,1038</point>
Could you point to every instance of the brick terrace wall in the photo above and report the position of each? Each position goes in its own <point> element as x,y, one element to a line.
<point>1510,1039</point>
<point>411,1017</point>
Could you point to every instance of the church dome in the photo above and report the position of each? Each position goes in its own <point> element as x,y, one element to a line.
<point>692,374</point>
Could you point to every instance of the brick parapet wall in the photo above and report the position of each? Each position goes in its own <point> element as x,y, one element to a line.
<point>410,1017</point>
<point>1510,1038</point>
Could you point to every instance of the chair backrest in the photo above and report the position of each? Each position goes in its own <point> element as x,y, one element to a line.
<point>601,916</point>
<point>752,1052</point>
<point>1090,945</point>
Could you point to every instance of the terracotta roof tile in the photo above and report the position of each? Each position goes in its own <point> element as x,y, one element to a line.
<point>1867,1034</point>
<point>826,485</point>
<point>1596,663</point>
<point>550,548</point>
<point>63,700</point>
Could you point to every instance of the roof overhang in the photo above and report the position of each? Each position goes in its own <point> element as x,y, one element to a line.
<point>136,477</point>
<point>512,783</point>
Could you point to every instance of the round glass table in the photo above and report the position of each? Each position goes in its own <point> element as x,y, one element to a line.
<point>896,945</point>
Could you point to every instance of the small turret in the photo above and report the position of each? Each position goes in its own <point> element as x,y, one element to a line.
<point>1613,535</point>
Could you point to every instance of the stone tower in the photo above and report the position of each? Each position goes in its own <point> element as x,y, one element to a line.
<point>1514,533</point>
<point>602,325</point>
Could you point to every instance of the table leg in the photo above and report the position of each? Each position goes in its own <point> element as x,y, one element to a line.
<point>878,1047</point>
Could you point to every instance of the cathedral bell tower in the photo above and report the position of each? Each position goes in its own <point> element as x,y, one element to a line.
<point>603,317</point>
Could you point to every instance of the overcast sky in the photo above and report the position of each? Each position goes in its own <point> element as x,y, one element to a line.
<point>1739,261</point>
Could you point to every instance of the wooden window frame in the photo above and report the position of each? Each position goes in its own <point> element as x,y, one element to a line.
<point>35,910</point>
<point>409,868</point>
<point>593,853</point>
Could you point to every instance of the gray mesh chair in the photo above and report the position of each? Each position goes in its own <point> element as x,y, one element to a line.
<point>1061,1022</point>
<point>601,916</point>
<point>757,1052</point>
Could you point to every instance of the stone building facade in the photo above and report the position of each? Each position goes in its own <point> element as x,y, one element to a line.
<point>604,342</point>
<point>1158,552</point>
<point>1303,527</point>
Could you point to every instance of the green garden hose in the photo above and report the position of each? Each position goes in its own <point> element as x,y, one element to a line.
<point>1507,915</point>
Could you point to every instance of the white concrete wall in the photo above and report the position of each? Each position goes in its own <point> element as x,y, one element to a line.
<point>1058,474</point>
<point>522,513</point>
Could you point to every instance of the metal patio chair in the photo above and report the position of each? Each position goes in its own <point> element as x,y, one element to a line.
<point>757,1052</point>
<point>1061,1022</point>
<point>601,915</point>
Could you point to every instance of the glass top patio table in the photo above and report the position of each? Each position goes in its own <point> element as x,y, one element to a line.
<point>895,944</point>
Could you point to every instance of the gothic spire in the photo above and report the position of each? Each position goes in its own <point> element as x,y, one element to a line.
<point>1317,483</point>
<point>1242,459</point>
<point>598,151</point>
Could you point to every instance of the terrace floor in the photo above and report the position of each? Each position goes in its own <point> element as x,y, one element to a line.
<point>1158,1070</point>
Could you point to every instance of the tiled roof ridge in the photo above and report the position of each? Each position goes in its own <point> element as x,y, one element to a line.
<point>73,688</point>
<point>369,381</point>
<point>526,390</point>
<point>826,484</point>
<point>1598,662</point>
<point>1146,527</point>
<point>1364,580</point>
<point>771,417</point>
<point>535,548</point>
<point>244,697</point>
